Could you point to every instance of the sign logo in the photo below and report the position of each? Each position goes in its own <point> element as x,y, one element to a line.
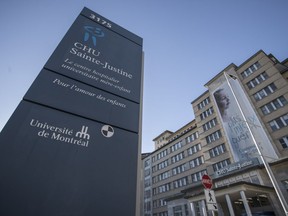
<point>83,133</point>
<point>93,33</point>
<point>107,131</point>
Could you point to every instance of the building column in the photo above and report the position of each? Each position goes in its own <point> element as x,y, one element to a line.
<point>230,207</point>
<point>192,209</point>
<point>246,205</point>
<point>203,208</point>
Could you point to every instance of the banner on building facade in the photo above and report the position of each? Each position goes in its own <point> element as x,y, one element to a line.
<point>241,125</point>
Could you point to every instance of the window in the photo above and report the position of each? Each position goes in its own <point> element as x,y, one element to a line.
<point>265,92</point>
<point>177,211</point>
<point>257,80</point>
<point>214,152</point>
<point>162,202</point>
<point>162,154</point>
<point>180,182</point>
<point>192,137</point>
<point>221,164</point>
<point>203,103</point>
<point>177,157</point>
<point>162,165</point>
<point>206,113</point>
<point>164,175</point>
<point>195,148</point>
<point>147,183</point>
<point>279,123</point>
<point>147,163</point>
<point>213,137</point>
<point>179,169</point>
<point>147,172</point>
<point>250,70</point>
<point>285,184</point>
<point>210,124</point>
<point>154,191</point>
<point>273,105</point>
<point>165,213</point>
<point>164,188</point>
<point>176,146</point>
<point>284,142</point>
<point>198,176</point>
<point>196,162</point>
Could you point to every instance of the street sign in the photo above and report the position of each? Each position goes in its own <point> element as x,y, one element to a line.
<point>211,200</point>
<point>207,181</point>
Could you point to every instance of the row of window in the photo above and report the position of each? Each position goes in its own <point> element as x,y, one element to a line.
<point>218,150</point>
<point>162,154</point>
<point>279,123</point>
<point>174,147</point>
<point>273,105</point>
<point>179,169</point>
<point>180,182</point>
<point>160,166</point>
<point>221,164</point>
<point>213,137</point>
<point>214,152</point>
<point>159,203</point>
<point>210,124</point>
<point>257,80</point>
<point>265,92</point>
<point>195,177</point>
<point>177,157</point>
<point>192,150</point>
<point>250,70</point>
<point>206,113</point>
<point>192,137</point>
<point>196,162</point>
<point>203,103</point>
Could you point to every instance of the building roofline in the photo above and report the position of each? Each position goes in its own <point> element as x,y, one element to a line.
<point>200,96</point>
<point>166,131</point>
<point>284,61</point>
<point>220,73</point>
<point>168,143</point>
<point>253,56</point>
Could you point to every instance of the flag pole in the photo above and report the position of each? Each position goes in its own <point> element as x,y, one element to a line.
<point>266,164</point>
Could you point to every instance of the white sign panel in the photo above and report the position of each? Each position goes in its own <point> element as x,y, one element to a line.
<point>211,200</point>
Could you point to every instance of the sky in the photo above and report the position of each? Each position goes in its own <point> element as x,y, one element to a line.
<point>186,43</point>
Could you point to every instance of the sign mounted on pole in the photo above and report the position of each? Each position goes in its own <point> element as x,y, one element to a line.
<point>211,200</point>
<point>207,181</point>
<point>72,146</point>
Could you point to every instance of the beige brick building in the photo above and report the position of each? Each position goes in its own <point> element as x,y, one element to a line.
<point>224,147</point>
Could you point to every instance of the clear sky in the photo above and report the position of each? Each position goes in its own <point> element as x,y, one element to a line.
<point>186,43</point>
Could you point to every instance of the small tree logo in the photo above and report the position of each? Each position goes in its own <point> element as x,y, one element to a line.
<point>92,33</point>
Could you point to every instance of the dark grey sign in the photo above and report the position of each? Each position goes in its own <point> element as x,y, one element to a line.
<point>59,164</point>
<point>54,90</point>
<point>94,53</point>
<point>72,145</point>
